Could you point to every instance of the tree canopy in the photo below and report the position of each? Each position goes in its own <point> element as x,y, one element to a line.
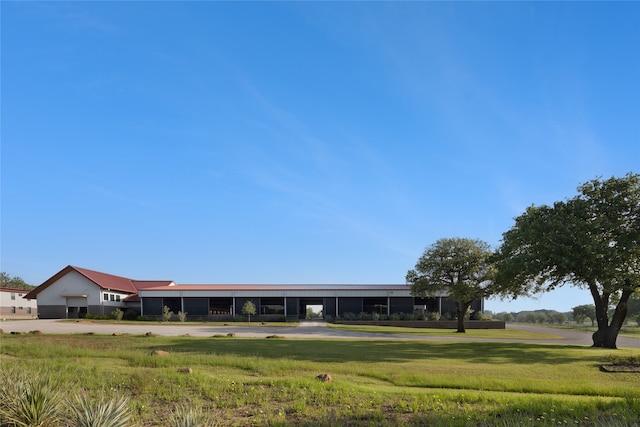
<point>457,265</point>
<point>6,281</point>
<point>249,308</point>
<point>586,311</point>
<point>591,241</point>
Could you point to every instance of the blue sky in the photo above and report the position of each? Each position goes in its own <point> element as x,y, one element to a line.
<point>301,142</point>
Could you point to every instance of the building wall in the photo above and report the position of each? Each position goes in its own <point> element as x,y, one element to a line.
<point>52,312</point>
<point>54,301</point>
<point>199,307</point>
<point>13,305</point>
<point>401,305</point>
<point>152,306</point>
<point>349,305</point>
<point>329,307</point>
<point>196,306</point>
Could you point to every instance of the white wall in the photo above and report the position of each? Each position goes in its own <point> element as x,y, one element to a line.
<point>6,302</point>
<point>72,283</point>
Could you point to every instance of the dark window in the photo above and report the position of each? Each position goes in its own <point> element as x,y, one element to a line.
<point>271,305</point>
<point>220,305</point>
<point>375,305</point>
<point>106,297</point>
<point>174,304</point>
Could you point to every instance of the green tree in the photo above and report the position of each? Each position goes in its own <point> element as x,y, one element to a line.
<point>557,317</point>
<point>459,266</point>
<point>633,306</point>
<point>7,281</point>
<point>248,309</point>
<point>591,241</point>
<point>586,311</point>
<point>505,316</point>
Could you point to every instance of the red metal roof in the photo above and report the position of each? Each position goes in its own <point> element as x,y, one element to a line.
<point>103,280</point>
<point>16,290</point>
<point>123,284</point>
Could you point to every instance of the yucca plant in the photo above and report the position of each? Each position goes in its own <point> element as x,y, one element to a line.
<point>30,401</point>
<point>88,412</point>
<point>189,416</point>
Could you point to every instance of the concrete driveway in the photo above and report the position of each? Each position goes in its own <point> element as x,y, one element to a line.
<point>307,329</point>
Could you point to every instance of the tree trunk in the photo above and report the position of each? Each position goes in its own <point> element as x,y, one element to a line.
<point>606,335</point>
<point>461,311</point>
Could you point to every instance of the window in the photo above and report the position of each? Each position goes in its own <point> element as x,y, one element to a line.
<point>13,295</point>
<point>13,309</point>
<point>28,310</point>
<point>271,305</point>
<point>113,297</point>
<point>106,296</point>
<point>117,297</point>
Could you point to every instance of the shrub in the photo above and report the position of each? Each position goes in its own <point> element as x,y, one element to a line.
<point>131,314</point>
<point>364,316</point>
<point>166,314</point>
<point>117,314</point>
<point>432,315</point>
<point>35,401</point>
<point>86,412</point>
<point>182,316</point>
<point>188,416</point>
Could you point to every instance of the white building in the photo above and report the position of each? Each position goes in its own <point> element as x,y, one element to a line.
<point>14,305</point>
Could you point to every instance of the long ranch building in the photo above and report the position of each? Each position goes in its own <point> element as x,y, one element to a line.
<point>75,292</point>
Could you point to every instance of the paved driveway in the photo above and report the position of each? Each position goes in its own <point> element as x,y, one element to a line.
<point>303,330</point>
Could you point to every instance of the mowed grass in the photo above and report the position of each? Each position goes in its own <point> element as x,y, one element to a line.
<point>248,382</point>
<point>470,333</point>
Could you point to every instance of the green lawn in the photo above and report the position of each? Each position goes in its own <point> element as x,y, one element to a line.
<point>470,333</point>
<point>271,382</point>
<point>631,331</point>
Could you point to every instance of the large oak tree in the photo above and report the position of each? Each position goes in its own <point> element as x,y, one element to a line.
<point>591,241</point>
<point>459,266</point>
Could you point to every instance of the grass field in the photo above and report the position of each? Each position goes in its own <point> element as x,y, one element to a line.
<point>260,382</point>
<point>432,332</point>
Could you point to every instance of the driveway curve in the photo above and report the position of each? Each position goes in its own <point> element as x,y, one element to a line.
<point>307,329</point>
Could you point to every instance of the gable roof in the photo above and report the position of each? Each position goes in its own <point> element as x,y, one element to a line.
<point>103,280</point>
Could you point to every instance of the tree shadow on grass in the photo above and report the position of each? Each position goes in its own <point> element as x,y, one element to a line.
<point>336,351</point>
